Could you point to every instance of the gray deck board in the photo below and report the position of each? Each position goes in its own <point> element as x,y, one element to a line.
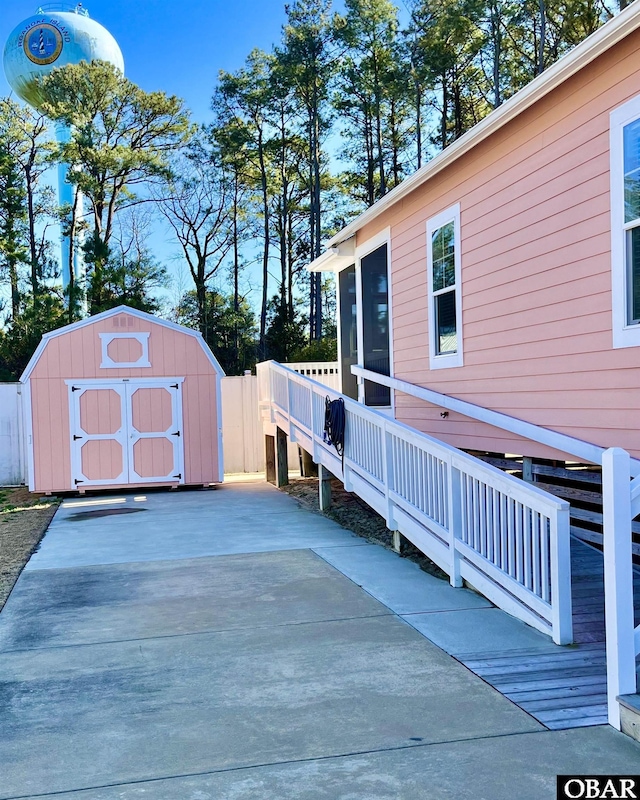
<point>565,689</point>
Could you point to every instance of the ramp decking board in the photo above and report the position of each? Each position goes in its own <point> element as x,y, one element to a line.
<point>566,689</point>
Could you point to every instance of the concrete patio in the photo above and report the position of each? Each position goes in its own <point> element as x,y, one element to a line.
<point>230,644</point>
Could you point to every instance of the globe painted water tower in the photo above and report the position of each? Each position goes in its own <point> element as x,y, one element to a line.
<point>56,35</point>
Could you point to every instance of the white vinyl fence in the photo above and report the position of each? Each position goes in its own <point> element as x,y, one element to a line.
<point>325,372</point>
<point>12,446</point>
<point>505,537</point>
<point>242,434</point>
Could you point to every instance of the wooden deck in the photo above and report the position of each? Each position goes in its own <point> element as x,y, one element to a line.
<point>567,689</point>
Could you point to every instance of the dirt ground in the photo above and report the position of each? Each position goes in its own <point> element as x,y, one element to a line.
<point>354,514</point>
<point>24,518</point>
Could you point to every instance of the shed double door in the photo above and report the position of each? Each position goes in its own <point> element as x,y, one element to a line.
<point>126,432</point>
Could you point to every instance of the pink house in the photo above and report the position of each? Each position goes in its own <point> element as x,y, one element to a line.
<point>506,272</point>
<point>122,399</point>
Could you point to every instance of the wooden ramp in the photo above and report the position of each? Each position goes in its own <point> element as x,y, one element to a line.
<point>567,689</point>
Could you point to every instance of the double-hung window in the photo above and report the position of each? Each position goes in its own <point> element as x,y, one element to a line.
<point>625,223</point>
<point>445,301</point>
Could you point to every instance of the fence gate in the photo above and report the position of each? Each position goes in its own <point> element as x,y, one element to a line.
<point>127,431</point>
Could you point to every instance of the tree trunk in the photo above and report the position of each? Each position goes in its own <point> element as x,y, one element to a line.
<point>312,220</point>
<point>201,296</point>
<point>71,300</point>
<point>265,252</point>
<point>445,103</point>
<point>395,160</point>
<point>33,246</point>
<point>543,36</point>
<point>496,35</point>
<point>368,138</point>
<point>458,127</point>
<point>236,270</point>
<point>317,243</point>
<point>418,96</point>
<point>15,292</point>
<point>379,147</point>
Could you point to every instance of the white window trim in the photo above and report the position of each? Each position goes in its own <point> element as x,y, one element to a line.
<point>109,363</point>
<point>624,335</point>
<point>381,238</point>
<point>451,214</point>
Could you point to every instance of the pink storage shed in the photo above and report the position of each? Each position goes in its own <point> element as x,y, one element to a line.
<point>122,399</point>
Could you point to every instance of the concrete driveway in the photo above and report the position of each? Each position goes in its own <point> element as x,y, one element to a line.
<point>203,646</point>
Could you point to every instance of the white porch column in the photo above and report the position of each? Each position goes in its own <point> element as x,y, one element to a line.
<point>618,579</point>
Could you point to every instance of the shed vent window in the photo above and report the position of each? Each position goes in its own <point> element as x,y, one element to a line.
<point>124,350</point>
<point>443,263</point>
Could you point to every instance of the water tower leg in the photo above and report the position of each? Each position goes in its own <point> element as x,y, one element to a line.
<point>65,198</point>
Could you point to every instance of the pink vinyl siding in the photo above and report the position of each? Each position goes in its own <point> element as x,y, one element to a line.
<point>536,274</point>
<point>77,355</point>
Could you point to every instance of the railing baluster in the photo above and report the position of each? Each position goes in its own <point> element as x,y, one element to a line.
<point>527,543</point>
<point>454,501</point>
<point>519,511</point>
<point>535,527</point>
<point>544,557</point>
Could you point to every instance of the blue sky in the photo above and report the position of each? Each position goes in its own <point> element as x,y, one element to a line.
<point>177,47</point>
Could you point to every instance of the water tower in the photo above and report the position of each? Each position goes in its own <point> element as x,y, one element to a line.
<point>57,34</point>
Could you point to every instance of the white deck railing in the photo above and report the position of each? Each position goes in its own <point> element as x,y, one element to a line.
<point>507,538</point>
<point>621,504</point>
<point>325,372</point>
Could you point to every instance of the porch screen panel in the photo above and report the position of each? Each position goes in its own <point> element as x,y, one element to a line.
<point>375,324</point>
<point>348,330</point>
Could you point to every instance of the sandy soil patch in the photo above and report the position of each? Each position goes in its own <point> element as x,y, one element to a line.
<point>24,518</point>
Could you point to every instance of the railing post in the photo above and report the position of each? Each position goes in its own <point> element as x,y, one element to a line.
<point>324,488</point>
<point>454,518</point>
<point>618,579</point>
<point>387,478</point>
<point>289,384</point>
<point>314,447</point>
<point>560,550</point>
<point>270,458</point>
<point>282,462</point>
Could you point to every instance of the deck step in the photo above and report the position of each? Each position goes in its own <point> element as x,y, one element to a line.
<point>630,715</point>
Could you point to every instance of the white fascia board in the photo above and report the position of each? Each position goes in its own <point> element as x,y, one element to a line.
<point>336,258</point>
<point>612,32</point>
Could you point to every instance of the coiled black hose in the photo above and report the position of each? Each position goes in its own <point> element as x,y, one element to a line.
<point>334,423</point>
